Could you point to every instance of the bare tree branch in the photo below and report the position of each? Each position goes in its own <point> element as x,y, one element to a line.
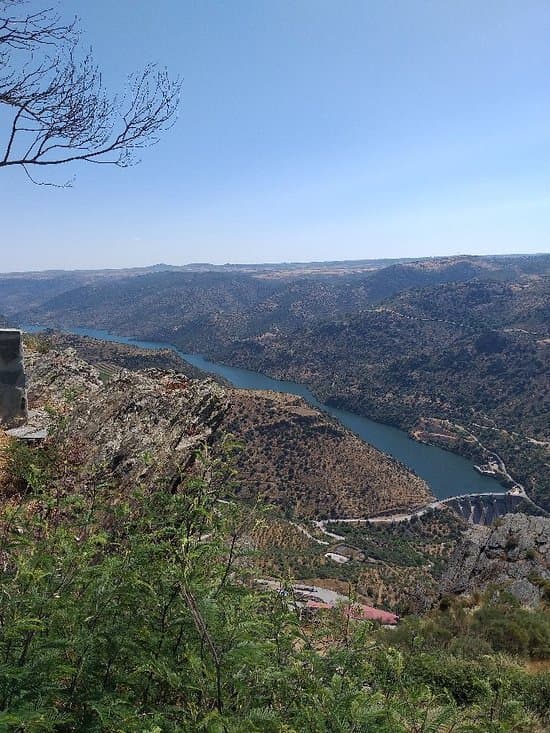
<point>60,111</point>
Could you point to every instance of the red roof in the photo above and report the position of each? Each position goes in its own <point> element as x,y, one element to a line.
<point>369,613</point>
<point>359,612</point>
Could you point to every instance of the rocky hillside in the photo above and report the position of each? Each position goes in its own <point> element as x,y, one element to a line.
<point>108,356</point>
<point>144,427</point>
<point>139,429</point>
<point>513,555</point>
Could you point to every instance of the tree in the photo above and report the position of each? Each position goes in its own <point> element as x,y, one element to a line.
<point>56,106</point>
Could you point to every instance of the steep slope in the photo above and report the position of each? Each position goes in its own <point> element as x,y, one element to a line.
<point>470,347</point>
<point>140,429</point>
<point>144,428</point>
<point>309,464</point>
<point>513,555</point>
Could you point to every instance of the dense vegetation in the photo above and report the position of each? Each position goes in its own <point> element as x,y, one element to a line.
<point>138,613</point>
<point>474,354</point>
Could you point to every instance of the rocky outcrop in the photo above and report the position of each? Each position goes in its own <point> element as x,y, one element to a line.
<point>145,428</point>
<point>110,355</point>
<point>137,429</point>
<point>59,378</point>
<point>514,555</point>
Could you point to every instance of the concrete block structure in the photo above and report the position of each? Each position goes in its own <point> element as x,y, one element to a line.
<point>13,396</point>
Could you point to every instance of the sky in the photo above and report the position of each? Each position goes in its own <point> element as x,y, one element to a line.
<point>308,130</point>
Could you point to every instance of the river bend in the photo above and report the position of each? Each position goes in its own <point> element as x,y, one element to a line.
<point>446,474</point>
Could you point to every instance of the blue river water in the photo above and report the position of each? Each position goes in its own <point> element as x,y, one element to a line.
<point>446,473</point>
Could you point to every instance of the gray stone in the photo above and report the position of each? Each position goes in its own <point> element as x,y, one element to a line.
<point>513,555</point>
<point>13,398</point>
<point>137,429</point>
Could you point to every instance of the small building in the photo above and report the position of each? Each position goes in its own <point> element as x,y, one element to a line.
<point>359,612</point>
<point>13,396</point>
<point>355,611</point>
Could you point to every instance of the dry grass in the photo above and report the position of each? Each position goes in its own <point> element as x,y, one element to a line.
<point>4,442</point>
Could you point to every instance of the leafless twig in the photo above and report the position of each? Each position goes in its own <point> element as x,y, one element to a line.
<point>60,111</point>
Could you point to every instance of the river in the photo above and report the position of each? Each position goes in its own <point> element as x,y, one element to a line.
<point>446,473</point>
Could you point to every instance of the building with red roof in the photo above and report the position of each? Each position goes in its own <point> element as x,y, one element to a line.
<point>357,612</point>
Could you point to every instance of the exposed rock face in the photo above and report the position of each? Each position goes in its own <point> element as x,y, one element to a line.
<point>146,427</point>
<point>59,377</point>
<point>514,554</point>
<point>13,400</point>
<point>106,354</point>
<point>139,428</point>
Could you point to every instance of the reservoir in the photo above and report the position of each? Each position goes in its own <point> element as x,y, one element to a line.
<point>446,473</point>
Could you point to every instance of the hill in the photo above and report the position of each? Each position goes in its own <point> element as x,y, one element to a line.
<point>473,355</point>
<point>300,459</point>
<point>293,456</point>
<point>206,310</point>
<point>109,356</point>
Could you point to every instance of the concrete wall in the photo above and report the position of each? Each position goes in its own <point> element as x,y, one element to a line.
<point>13,397</point>
<point>485,509</point>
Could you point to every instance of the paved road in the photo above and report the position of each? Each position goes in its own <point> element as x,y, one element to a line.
<point>313,592</point>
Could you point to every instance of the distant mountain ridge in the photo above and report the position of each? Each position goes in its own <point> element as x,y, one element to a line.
<point>20,293</point>
<point>234,304</point>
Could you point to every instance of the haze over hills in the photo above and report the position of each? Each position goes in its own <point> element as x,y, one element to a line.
<point>21,291</point>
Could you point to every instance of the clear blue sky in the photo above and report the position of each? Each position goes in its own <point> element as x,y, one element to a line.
<point>310,130</point>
